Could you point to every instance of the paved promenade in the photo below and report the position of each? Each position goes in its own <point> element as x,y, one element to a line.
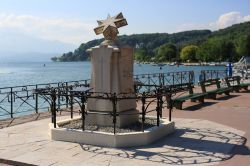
<point>214,133</point>
<point>233,111</point>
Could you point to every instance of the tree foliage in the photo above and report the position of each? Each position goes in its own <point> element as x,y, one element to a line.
<point>143,43</point>
<point>189,53</point>
<point>217,49</point>
<point>227,44</point>
<point>166,52</point>
<point>244,45</point>
<point>54,59</point>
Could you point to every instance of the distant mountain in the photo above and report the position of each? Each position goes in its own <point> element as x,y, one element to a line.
<point>150,42</point>
<point>16,45</point>
<point>26,57</point>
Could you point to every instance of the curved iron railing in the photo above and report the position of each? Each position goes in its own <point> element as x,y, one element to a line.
<point>161,96</point>
<point>20,100</point>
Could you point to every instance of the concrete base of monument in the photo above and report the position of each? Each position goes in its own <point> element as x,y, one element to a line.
<point>106,139</point>
<point>124,119</point>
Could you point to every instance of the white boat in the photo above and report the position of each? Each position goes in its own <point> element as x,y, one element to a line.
<point>242,67</point>
<point>172,64</point>
<point>212,64</point>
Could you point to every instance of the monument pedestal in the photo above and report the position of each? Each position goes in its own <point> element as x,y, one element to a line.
<point>112,72</point>
<point>107,120</point>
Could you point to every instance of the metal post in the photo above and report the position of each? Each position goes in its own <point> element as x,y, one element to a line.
<point>58,98</point>
<point>204,75</point>
<point>173,78</point>
<point>158,108</point>
<point>11,102</point>
<point>161,104</point>
<point>143,100</point>
<point>181,78</point>
<point>71,105</point>
<point>148,83</point>
<point>167,92</point>
<point>54,107</point>
<point>51,109</point>
<point>170,108</point>
<point>170,104</point>
<point>83,111</point>
<point>114,110</point>
<point>67,97</point>
<point>36,98</point>
<point>159,79</point>
<point>190,78</point>
<point>54,111</point>
<point>163,79</point>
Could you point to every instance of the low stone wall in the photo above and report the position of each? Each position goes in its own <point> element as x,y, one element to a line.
<point>112,140</point>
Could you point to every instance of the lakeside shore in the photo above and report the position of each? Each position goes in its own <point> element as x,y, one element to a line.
<point>185,63</point>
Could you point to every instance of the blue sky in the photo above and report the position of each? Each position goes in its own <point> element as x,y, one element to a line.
<point>72,21</point>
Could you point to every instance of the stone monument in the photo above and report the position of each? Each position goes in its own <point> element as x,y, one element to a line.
<point>112,72</point>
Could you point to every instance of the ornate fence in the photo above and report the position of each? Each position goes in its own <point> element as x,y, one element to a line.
<point>161,96</point>
<point>211,74</point>
<point>148,81</point>
<point>20,100</point>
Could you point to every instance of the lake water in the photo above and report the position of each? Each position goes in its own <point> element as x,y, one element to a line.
<point>20,74</point>
<point>15,74</point>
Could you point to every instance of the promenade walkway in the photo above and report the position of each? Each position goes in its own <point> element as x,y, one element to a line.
<point>233,111</point>
<point>214,133</point>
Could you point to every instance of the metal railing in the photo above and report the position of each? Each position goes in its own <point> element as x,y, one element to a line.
<point>161,96</point>
<point>20,100</point>
<point>212,74</point>
<point>164,79</point>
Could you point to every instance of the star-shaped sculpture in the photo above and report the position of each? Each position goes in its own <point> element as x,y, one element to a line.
<point>109,27</point>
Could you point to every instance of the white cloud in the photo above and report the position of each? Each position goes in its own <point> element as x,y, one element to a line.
<point>73,31</point>
<point>246,18</point>
<point>223,21</point>
<point>228,19</point>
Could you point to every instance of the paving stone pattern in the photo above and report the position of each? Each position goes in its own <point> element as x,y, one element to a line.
<point>195,142</point>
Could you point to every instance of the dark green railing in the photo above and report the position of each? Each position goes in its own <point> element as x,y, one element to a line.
<point>20,100</point>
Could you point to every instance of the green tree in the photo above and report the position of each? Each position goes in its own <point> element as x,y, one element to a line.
<point>228,51</point>
<point>209,50</point>
<point>142,55</point>
<point>217,49</point>
<point>139,55</point>
<point>54,59</point>
<point>189,53</point>
<point>166,52</point>
<point>213,46</point>
<point>244,45</point>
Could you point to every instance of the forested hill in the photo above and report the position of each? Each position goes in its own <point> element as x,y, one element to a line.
<point>147,42</point>
<point>196,45</point>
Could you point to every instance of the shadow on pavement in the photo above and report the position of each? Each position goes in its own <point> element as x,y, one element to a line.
<point>226,97</point>
<point>199,106</point>
<point>185,147</point>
